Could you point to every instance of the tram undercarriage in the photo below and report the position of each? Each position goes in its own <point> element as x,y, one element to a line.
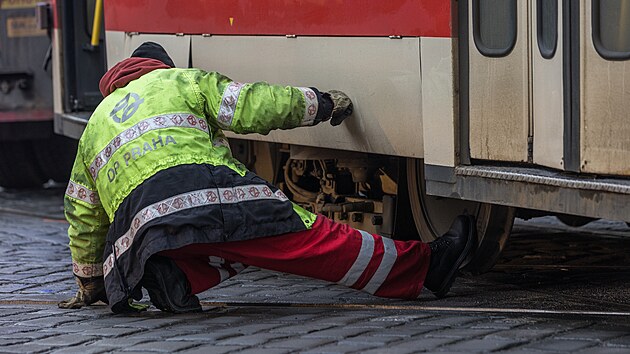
<point>380,194</point>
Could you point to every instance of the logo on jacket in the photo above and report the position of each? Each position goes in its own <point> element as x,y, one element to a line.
<point>128,106</point>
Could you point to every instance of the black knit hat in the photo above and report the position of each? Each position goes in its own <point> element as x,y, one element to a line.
<point>153,50</point>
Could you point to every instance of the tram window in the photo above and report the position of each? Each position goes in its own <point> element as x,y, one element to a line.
<point>547,27</point>
<point>611,28</point>
<point>494,26</point>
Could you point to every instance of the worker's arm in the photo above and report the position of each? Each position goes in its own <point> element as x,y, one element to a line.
<point>260,107</point>
<point>87,232</point>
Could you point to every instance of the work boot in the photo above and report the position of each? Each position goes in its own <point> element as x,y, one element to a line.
<point>449,252</point>
<point>168,287</point>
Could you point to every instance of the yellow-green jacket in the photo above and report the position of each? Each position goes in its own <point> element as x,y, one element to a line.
<point>154,170</point>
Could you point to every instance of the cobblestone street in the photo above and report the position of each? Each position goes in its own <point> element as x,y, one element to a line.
<point>556,289</point>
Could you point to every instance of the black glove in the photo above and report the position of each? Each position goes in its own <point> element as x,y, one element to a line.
<point>91,290</point>
<point>342,106</point>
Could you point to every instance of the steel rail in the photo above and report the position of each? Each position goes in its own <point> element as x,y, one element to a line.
<point>370,307</point>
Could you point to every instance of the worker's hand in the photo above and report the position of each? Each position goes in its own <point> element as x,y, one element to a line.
<point>342,106</point>
<point>90,291</point>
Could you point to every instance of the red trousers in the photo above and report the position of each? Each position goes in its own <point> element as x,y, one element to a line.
<point>328,251</point>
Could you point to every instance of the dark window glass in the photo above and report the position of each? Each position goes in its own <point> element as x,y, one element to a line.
<point>611,28</point>
<point>547,27</point>
<point>494,26</point>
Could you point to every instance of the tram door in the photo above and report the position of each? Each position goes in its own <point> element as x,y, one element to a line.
<point>605,87</point>
<point>550,71</point>
<point>498,80</point>
<point>549,83</point>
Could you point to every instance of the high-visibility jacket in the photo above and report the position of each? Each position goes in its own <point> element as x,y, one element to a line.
<point>154,171</point>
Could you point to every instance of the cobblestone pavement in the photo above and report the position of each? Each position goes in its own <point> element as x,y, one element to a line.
<point>556,289</point>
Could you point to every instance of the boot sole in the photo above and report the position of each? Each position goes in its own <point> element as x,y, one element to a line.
<point>450,278</point>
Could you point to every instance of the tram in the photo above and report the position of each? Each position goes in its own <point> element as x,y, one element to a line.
<point>30,153</point>
<point>495,108</point>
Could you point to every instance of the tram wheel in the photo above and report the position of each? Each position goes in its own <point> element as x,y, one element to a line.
<point>433,216</point>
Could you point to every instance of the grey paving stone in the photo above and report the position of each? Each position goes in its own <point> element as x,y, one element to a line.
<point>37,334</point>
<point>46,322</point>
<point>603,350</point>
<point>118,343</point>
<point>87,349</point>
<point>223,320</point>
<point>296,317</point>
<point>9,311</point>
<point>264,351</point>
<point>620,341</point>
<point>592,333</point>
<point>160,346</point>
<point>479,345</point>
<point>88,329</point>
<point>298,344</point>
<point>150,323</point>
<point>197,327</point>
<point>522,333</point>
<point>211,348</point>
<point>447,321</point>
<point>401,318</point>
<point>158,334</point>
<point>503,322</point>
<point>334,320</point>
<point>64,340</point>
<point>405,331</point>
<point>460,333</point>
<point>338,348</point>
<point>210,336</point>
<point>11,341</point>
<point>559,326</point>
<point>14,287</point>
<point>26,348</point>
<point>301,328</point>
<point>368,339</point>
<point>561,345</point>
<point>336,333</point>
<point>111,321</point>
<point>251,340</point>
<point>414,345</point>
<point>250,328</point>
<point>520,350</point>
<point>10,328</point>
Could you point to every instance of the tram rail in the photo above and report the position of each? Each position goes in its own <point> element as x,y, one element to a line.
<point>380,307</point>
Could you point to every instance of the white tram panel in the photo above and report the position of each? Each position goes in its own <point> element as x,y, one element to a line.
<point>439,101</point>
<point>120,45</point>
<point>381,76</point>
